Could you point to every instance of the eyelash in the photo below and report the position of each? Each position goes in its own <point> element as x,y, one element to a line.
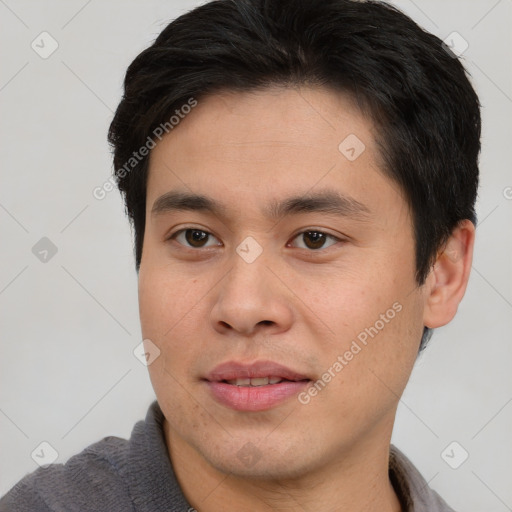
<point>174,235</point>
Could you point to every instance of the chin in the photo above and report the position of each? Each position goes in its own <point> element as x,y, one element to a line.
<point>260,462</point>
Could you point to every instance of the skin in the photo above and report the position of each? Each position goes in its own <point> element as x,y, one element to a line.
<point>296,305</point>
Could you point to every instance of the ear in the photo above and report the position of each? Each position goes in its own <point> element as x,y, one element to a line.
<point>447,281</point>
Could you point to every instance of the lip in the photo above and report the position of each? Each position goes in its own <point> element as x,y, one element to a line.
<point>235,370</point>
<point>254,398</point>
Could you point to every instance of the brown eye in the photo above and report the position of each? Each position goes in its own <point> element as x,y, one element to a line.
<point>315,240</point>
<point>196,238</point>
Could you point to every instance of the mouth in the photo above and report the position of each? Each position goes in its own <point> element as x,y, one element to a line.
<point>256,382</point>
<point>258,386</point>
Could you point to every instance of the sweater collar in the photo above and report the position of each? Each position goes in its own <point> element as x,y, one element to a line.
<point>158,480</point>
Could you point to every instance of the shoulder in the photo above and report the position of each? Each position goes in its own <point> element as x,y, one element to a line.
<point>90,480</point>
<point>412,489</point>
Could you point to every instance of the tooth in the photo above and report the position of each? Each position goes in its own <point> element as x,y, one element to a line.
<point>260,381</point>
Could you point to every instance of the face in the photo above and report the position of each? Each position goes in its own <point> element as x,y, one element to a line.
<point>277,283</point>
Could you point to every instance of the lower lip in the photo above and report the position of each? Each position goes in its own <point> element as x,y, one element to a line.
<point>255,398</point>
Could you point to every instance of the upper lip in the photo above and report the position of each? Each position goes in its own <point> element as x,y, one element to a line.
<point>232,370</point>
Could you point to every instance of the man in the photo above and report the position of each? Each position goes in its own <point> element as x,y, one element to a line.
<point>301,177</point>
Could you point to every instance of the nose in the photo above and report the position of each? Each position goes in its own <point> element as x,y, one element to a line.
<point>252,299</point>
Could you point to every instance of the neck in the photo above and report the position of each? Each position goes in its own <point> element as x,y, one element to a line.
<point>356,481</point>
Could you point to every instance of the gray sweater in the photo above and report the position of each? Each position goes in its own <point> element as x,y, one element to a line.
<point>136,475</point>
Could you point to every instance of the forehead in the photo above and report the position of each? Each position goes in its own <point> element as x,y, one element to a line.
<point>245,123</point>
<point>250,147</point>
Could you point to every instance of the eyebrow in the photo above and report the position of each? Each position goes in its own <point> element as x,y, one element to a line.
<point>327,201</point>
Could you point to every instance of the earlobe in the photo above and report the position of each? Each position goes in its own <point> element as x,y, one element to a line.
<point>446,284</point>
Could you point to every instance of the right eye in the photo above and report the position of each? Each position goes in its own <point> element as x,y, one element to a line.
<point>193,238</point>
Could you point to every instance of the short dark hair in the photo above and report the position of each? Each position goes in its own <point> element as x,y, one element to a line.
<point>410,84</point>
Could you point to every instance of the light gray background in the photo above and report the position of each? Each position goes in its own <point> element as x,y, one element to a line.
<point>69,326</point>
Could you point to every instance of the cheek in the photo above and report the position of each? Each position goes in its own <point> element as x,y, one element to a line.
<point>163,307</point>
<point>165,303</point>
<point>352,303</point>
<point>166,297</point>
<point>376,317</point>
<point>377,360</point>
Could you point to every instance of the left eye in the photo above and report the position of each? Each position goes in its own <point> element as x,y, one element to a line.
<point>315,239</point>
